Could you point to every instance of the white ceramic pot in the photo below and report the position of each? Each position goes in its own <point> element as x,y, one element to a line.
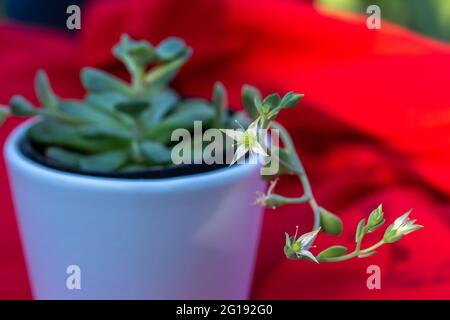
<point>191,237</point>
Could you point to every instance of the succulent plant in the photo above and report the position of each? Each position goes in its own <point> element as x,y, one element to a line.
<point>121,126</point>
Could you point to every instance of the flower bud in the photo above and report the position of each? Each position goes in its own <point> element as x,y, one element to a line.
<point>375,219</point>
<point>271,201</point>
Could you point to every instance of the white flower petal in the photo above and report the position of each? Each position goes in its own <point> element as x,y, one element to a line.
<point>411,228</point>
<point>240,152</point>
<point>401,220</point>
<point>307,238</point>
<point>253,128</point>
<point>233,134</point>
<point>308,254</point>
<point>257,148</point>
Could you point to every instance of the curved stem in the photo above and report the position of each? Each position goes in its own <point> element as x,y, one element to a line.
<point>298,170</point>
<point>353,254</point>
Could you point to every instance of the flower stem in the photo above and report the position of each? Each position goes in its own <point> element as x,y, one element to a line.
<point>353,254</point>
<point>299,170</point>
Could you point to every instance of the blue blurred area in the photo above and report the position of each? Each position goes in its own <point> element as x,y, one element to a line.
<point>44,12</point>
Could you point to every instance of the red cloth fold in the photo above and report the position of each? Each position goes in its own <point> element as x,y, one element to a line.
<point>373,128</point>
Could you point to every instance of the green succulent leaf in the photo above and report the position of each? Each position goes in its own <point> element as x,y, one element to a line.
<point>329,222</point>
<point>44,92</point>
<point>98,81</point>
<point>170,48</point>
<point>183,116</point>
<point>331,252</point>
<point>156,153</point>
<point>99,132</point>
<point>105,101</point>
<point>21,107</point>
<point>272,101</point>
<point>85,113</point>
<point>54,133</point>
<point>4,112</point>
<point>250,97</point>
<point>135,55</point>
<point>132,108</point>
<point>64,157</point>
<point>290,100</point>
<point>165,72</point>
<point>104,162</point>
<point>220,104</point>
<point>161,105</point>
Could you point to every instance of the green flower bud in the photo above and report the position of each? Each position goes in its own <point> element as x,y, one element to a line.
<point>271,201</point>
<point>391,235</point>
<point>376,219</point>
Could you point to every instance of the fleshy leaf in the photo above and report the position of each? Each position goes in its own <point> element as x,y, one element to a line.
<point>98,132</point>
<point>64,157</point>
<point>156,153</point>
<point>136,55</point>
<point>104,162</point>
<point>52,133</point>
<point>21,107</point>
<point>87,114</point>
<point>98,81</point>
<point>44,92</point>
<point>165,72</point>
<point>170,48</point>
<point>161,105</point>
<point>183,116</point>
<point>133,107</point>
<point>272,101</point>
<point>220,104</point>
<point>249,96</point>
<point>4,112</point>
<point>331,252</point>
<point>329,222</point>
<point>290,99</point>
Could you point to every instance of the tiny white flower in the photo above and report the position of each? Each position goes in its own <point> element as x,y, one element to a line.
<point>299,248</point>
<point>401,226</point>
<point>308,238</point>
<point>247,141</point>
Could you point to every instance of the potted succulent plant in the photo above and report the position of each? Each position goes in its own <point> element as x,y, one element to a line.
<point>98,191</point>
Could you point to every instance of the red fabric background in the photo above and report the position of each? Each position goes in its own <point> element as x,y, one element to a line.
<point>373,128</point>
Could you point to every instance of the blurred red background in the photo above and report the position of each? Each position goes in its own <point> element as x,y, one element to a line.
<point>374,126</point>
